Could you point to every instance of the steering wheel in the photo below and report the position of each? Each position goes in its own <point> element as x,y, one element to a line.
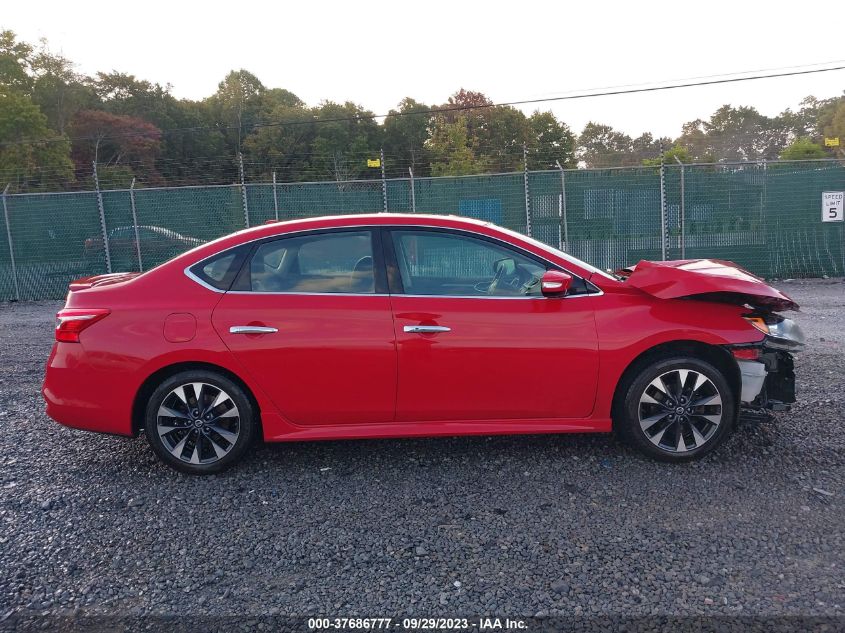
<point>515,283</point>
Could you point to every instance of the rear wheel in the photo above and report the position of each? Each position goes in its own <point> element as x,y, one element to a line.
<point>199,422</point>
<point>676,409</point>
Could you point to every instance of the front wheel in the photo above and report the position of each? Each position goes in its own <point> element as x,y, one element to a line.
<point>199,422</point>
<point>676,409</point>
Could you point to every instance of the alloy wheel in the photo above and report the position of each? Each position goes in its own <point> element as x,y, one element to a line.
<point>198,423</point>
<point>680,410</point>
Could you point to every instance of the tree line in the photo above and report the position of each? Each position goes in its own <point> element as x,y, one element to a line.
<point>55,122</point>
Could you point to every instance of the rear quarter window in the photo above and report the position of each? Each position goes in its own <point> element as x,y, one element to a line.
<point>219,271</point>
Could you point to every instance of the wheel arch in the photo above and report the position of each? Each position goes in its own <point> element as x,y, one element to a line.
<point>716,355</point>
<point>157,377</point>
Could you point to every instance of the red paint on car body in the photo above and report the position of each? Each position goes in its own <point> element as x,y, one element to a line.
<point>694,277</point>
<point>180,327</point>
<point>342,365</point>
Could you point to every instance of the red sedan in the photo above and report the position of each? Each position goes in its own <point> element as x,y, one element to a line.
<point>409,325</point>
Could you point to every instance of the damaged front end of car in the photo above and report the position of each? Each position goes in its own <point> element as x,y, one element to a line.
<point>766,366</point>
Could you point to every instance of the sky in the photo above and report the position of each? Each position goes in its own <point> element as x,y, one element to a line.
<point>377,53</point>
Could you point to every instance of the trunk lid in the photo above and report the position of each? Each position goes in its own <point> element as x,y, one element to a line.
<point>712,279</point>
<point>100,280</point>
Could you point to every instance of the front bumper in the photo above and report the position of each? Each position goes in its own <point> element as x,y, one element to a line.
<point>768,376</point>
<point>753,374</point>
<point>775,388</point>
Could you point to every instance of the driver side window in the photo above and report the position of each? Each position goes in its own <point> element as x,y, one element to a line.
<point>452,264</point>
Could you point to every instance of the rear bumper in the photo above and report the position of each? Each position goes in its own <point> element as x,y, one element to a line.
<point>84,397</point>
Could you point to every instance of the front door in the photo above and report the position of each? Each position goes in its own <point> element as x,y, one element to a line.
<point>476,338</point>
<point>310,327</point>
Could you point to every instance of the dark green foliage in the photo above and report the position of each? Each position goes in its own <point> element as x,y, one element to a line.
<point>54,122</point>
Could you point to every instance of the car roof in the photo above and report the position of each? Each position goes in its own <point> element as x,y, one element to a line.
<point>272,228</point>
<point>384,218</point>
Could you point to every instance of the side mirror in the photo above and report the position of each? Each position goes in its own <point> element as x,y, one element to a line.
<point>555,283</point>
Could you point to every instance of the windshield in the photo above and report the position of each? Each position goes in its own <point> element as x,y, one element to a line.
<point>559,253</point>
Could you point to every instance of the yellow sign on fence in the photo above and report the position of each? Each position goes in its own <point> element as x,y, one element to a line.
<point>373,162</point>
<point>831,142</point>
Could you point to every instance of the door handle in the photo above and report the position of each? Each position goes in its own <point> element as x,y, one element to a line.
<point>426,329</point>
<point>252,329</point>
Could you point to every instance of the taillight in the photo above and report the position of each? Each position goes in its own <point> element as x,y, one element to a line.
<point>72,322</point>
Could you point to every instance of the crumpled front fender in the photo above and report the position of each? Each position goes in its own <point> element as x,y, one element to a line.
<point>706,278</point>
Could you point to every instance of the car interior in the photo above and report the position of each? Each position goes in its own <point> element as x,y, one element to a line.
<point>429,263</point>
<point>330,264</point>
<point>442,264</point>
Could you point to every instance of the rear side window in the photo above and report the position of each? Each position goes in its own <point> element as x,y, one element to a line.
<point>218,271</point>
<point>340,262</point>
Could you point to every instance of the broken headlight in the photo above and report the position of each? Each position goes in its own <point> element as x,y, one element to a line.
<point>785,334</point>
<point>780,333</point>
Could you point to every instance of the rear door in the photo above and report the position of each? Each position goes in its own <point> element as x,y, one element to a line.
<point>309,318</point>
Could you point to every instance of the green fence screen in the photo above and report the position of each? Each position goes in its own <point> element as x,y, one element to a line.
<point>766,217</point>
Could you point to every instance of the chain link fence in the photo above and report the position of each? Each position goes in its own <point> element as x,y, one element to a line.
<point>765,217</point>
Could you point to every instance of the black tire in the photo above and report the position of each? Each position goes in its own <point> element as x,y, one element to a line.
<point>659,439</point>
<point>217,429</point>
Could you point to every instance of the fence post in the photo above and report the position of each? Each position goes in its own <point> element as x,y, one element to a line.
<point>243,189</point>
<point>135,225</point>
<point>102,217</point>
<point>383,180</point>
<point>527,199</point>
<point>413,192</point>
<point>663,225</point>
<point>11,246</point>
<point>562,211</point>
<point>682,211</point>
<point>275,197</point>
<point>764,226</point>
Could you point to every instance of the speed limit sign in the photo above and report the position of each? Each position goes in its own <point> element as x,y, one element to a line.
<point>832,206</point>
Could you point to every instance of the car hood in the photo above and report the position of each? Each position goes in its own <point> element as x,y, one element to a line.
<point>705,279</point>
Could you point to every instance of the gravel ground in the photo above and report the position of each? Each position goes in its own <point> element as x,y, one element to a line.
<point>575,525</point>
